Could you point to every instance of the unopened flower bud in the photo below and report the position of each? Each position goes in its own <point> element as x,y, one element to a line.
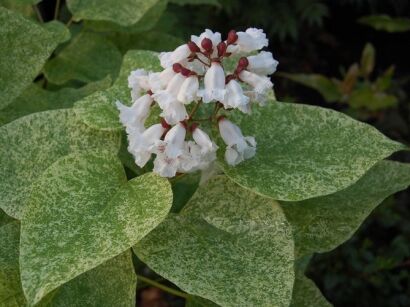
<point>177,67</point>
<point>185,72</point>
<point>221,49</point>
<point>243,62</point>
<point>232,37</point>
<point>206,43</point>
<point>193,47</point>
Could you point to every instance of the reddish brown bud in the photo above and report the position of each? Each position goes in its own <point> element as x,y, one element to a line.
<point>221,117</point>
<point>185,72</point>
<point>177,67</point>
<point>229,78</point>
<point>193,127</point>
<point>149,92</point>
<point>243,62</point>
<point>193,47</point>
<point>207,44</point>
<point>232,37</point>
<point>221,49</point>
<point>165,124</point>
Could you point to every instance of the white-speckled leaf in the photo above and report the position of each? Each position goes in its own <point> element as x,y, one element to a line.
<point>306,294</point>
<point>11,293</point>
<point>322,223</point>
<point>228,245</point>
<point>111,284</point>
<point>88,57</point>
<point>98,110</point>
<point>24,47</point>
<point>36,99</point>
<point>82,212</point>
<point>4,218</point>
<point>32,143</point>
<point>125,12</point>
<point>196,301</point>
<point>306,151</point>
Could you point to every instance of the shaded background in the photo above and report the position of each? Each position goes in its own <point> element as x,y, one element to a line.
<point>324,37</point>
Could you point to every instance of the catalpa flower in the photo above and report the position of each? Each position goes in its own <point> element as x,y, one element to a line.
<point>194,76</point>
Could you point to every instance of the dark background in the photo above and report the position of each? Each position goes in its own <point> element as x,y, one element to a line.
<point>311,36</point>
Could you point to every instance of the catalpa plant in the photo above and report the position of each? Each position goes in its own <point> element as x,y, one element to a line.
<point>194,74</point>
<point>103,190</point>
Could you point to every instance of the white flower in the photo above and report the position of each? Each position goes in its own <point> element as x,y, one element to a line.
<point>165,59</point>
<point>174,112</point>
<point>133,117</point>
<point>180,53</point>
<point>234,97</point>
<point>173,143</point>
<point>138,82</point>
<point>250,40</point>
<point>189,90</point>
<point>165,166</point>
<point>203,140</point>
<point>215,37</point>
<point>261,84</point>
<point>238,147</point>
<point>214,82</point>
<point>170,94</point>
<point>141,144</point>
<point>262,63</point>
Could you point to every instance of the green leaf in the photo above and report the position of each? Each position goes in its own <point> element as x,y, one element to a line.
<point>196,2</point>
<point>112,283</point>
<point>368,98</point>
<point>125,12</point>
<point>368,59</point>
<point>60,31</point>
<point>11,293</point>
<point>146,23</point>
<point>81,213</point>
<point>196,301</point>
<point>306,151</point>
<point>386,23</point>
<point>36,99</point>
<point>320,224</point>
<point>32,143</point>
<point>98,110</point>
<point>325,86</point>
<point>20,37</point>
<point>89,57</point>
<point>306,294</point>
<point>183,189</point>
<point>4,218</point>
<point>228,245</point>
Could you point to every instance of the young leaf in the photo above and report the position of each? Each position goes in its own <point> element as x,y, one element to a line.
<point>18,38</point>
<point>32,143</point>
<point>98,110</point>
<point>367,97</point>
<point>227,245</point>
<point>125,12</point>
<point>89,57</point>
<point>320,224</point>
<point>386,23</point>
<point>306,151</point>
<point>36,99</point>
<point>81,213</point>
<point>367,60</point>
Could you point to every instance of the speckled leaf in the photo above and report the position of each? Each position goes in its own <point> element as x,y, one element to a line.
<point>98,110</point>
<point>306,151</point>
<point>125,12</point>
<point>11,293</point>
<point>228,245</point>
<point>89,57</point>
<point>112,283</point>
<point>322,223</point>
<point>24,47</point>
<point>36,99</point>
<point>196,301</point>
<point>32,143</point>
<point>306,294</point>
<point>4,218</point>
<point>60,31</point>
<point>81,213</point>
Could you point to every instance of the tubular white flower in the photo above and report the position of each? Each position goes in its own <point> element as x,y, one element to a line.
<point>173,144</point>
<point>170,94</point>
<point>234,97</point>
<point>238,147</point>
<point>214,82</point>
<point>204,141</point>
<point>189,90</point>
<point>138,82</point>
<point>141,144</point>
<point>180,53</point>
<point>133,117</point>
<point>165,59</point>
<point>174,112</point>
<point>250,40</point>
<point>165,166</point>
<point>215,37</point>
<point>261,84</point>
<point>262,63</point>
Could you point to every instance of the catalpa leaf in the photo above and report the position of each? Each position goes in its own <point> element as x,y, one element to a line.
<point>321,224</point>
<point>306,151</point>
<point>32,143</point>
<point>98,110</point>
<point>36,99</point>
<point>82,212</point>
<point>306,294</point>
<point>88,57</point>
<point>20,37</point>
<point>227,245</point>
<point>125,12</point>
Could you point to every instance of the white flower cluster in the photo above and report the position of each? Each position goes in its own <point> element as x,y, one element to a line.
<point>194,75</point>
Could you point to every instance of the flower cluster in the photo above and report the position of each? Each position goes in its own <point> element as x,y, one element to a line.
<point>194,75</point>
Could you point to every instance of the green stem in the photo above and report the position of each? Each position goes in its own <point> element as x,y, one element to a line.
<point>162,287</point>
<point>194,110</point>
<point>57,9</point>
<point>38,13</point>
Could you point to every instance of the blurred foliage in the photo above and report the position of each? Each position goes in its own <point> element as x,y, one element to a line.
<point>386,23</point>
